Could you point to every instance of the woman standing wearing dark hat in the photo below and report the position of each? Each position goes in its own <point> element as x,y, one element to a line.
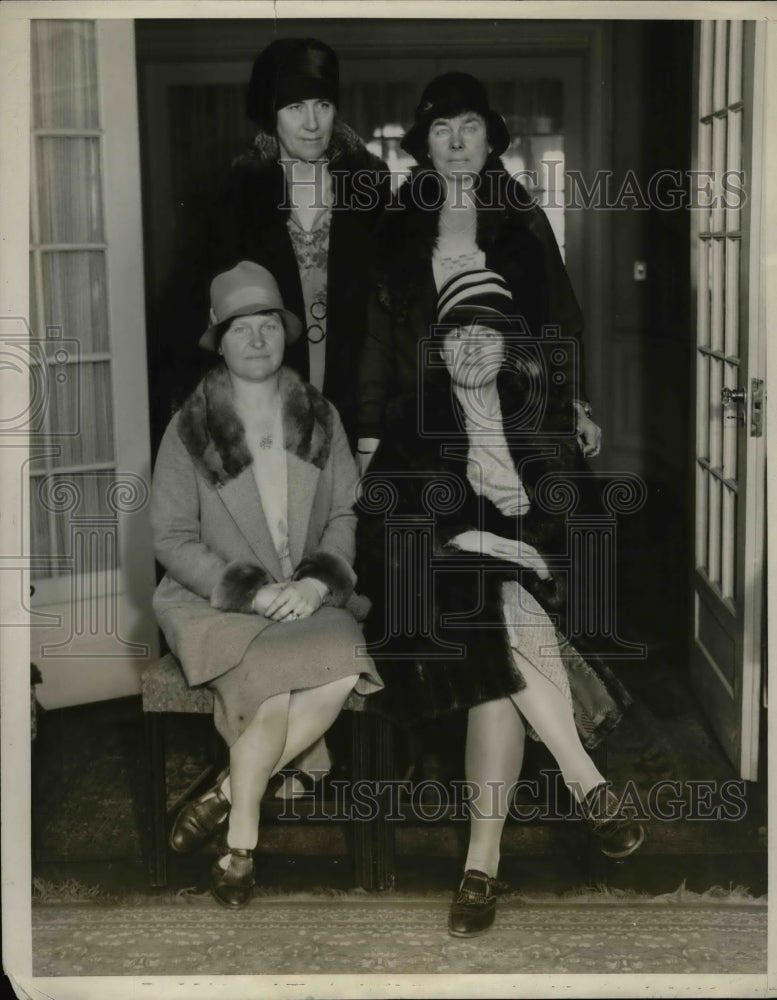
<point>460,210</point>
<point>304,200</point>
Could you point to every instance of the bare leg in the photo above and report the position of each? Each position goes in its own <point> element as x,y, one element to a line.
<point>550,715</point>
<point>252,759</point>
<point>493,758</point>
<point>309,713</point>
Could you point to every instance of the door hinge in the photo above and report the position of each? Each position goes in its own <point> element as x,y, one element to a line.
<point>757,408</point>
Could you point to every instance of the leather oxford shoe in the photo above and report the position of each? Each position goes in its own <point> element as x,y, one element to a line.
<point>231,886</point>
<point>474,908</point>
<point>618,835</point>
<point>200,818</point>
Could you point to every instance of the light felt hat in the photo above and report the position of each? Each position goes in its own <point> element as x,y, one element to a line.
<point>247,289</point>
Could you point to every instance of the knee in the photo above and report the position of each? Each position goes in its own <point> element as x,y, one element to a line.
<point>270,722</point>
<point>493,712</point>
<point>335,693</point>
<point>345,685</point>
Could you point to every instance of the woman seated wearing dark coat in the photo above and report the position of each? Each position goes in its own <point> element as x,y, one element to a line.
<point>470,629</point>
<point>251,509</point>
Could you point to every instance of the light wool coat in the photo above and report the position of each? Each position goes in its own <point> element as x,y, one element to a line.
<point>210,532</point>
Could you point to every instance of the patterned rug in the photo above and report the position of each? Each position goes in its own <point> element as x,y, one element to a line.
<point>354,933</point>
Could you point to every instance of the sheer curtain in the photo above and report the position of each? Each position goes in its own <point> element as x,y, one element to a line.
<point>74,448</point>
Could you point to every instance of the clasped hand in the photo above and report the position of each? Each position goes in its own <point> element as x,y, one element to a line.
<point>486,543</point>
<point>290,601</point>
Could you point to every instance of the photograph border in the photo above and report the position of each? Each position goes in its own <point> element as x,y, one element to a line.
<point>15,16</point>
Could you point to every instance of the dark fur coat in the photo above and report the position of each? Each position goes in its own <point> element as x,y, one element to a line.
<point>256,216</point>
<point>518,243</point>
<point>425,477</point>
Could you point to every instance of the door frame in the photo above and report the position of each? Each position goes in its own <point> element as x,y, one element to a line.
<point>746,609</point>
<point>92,627</point>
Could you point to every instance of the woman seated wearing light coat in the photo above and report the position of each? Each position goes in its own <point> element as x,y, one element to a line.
<point>466,460</point>
<point>252,516</point>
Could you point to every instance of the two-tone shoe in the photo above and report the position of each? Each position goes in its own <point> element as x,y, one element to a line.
<point>232,886</point>
<point>199,819</point>
<point>473,909</point>
<point>618,835</point>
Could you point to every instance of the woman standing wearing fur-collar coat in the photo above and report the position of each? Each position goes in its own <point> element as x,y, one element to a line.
<point>460,210</point>
<point>303,203</point>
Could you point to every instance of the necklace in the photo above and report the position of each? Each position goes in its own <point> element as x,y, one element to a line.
<point>266,441</point>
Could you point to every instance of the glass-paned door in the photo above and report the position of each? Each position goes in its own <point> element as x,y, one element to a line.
<point>91,562</point>
<point>729,455</point>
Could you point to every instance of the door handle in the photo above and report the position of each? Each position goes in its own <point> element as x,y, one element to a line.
<point>729,396</point>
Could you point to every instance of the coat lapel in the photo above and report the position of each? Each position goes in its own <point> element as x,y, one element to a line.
<point>241,498</point>
<point>215,438</point>
<point>302,478</point>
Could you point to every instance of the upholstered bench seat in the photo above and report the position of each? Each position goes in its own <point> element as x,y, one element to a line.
<point>165,689</point>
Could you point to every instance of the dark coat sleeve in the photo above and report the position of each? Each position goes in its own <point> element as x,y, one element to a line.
<point>562,308</point>
<point>525,252</point>
<point>375,369</point>
<point>406,481</point>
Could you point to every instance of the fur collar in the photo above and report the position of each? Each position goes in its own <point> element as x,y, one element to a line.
<point>407,237</point>
<point>215,438</point>
<point>259,169</point>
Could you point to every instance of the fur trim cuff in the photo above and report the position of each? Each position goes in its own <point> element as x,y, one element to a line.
<point>238,587</point>
<point>332,570</point>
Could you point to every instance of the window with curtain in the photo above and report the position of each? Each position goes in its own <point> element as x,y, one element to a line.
<point>73,467</point>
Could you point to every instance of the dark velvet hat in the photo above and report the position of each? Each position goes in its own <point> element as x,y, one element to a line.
<point>445,97</point>
<point>287,71</point>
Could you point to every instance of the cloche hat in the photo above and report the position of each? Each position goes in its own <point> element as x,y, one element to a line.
<point>449,95</point>
<point>475,295</point>
<point>245,290</point>
<point>287,71</point>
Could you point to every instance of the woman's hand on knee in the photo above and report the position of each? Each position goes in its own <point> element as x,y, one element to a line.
<point>295,601</point>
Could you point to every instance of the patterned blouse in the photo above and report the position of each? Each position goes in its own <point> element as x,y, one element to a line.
<point>311,248</point>
<point>456,248</point>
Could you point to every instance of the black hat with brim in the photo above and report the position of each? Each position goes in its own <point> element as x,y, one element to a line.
<point>445,97</point>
